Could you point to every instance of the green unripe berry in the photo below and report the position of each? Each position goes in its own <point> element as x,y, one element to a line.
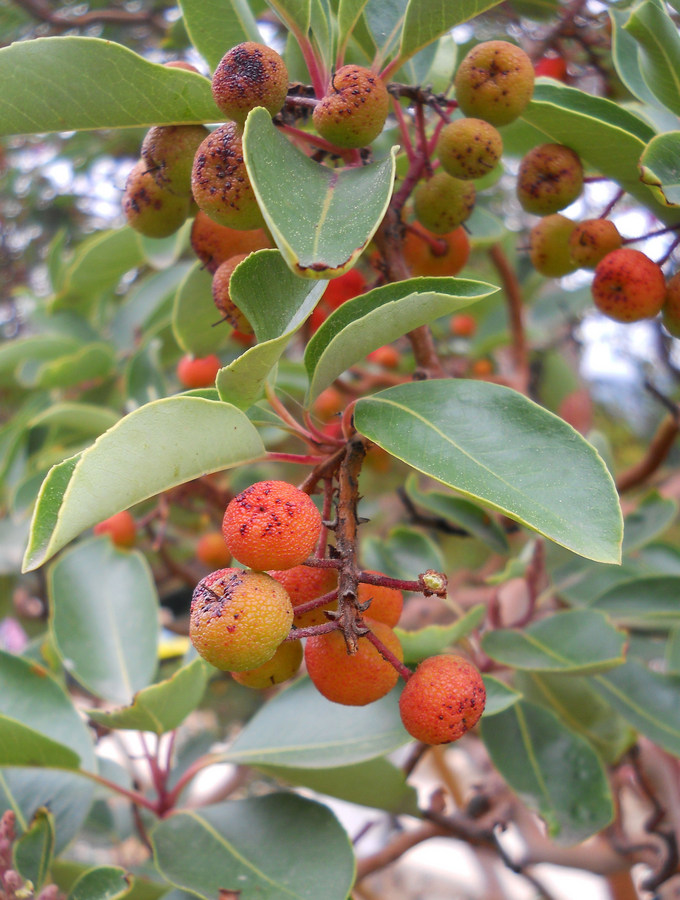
<point>549,246</point>
<point>353,113</point>
<point>469,148</point>
<point>550,177</point>
<point>150,209</point>
<point>168,151</point>
<point>494,82</point>
<point>443,203</point>
<point>250,75</point>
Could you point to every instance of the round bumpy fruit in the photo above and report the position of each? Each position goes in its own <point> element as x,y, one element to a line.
<point>353,113</point>
<point>282,666</point>
<point>304,584</point>
<point>238,619</point>
<point>220,183</point>
<point>168,151</point>
<point>150,209</point>
<point>442,700</point>
<point>431,254</point>
<point>550,177</point>
<point>549,246</point>
<point>494,82</point>
<point>214,244</point>
<point>250,75</point>
<point>469,148</point>
<point>222,295</point>
<point>592,240</point>
<point>121,528</point>
<point>552,67</point>
<point>628,286</point>
<point>386,602</point>
<point>198,371</point>
<point>357,679</point>
<point>212,551</point>
<point>670,312</point>
<point>443,203</point>
<point>271,525</point>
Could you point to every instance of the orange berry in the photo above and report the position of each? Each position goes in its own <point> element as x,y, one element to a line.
<point>592,240</point>
<point>238,619</point>
<point>431,254</point>
<point>198,371</point>
<point>550,177</point>
<point>271,525</point>
<point>628,286</point>
<point>482,367</point>
<point>222,295</point>
<point>282,666</point>
<point>212,551</point>
<point>386,356</point>
<point>329,403</point>
<point>214,244</point>
<point>305,583</point>
<point>121,528</point>
<point>353,112</point>
<point>357,679</point>
<point>463,325</point>
<point>442,700</point>
<point>386,602</point>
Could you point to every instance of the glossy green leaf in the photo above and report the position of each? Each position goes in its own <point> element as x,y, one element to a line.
<point>382,315</point>
<point>150,450</point>
<point>253,849</point>
<point>651,518</point>
<point>553,770</point>
<point>110,646</point>
<point>295,14</point>
<point>276,303</point>
<point>143,375</point>
<point>81,418</point>
<point>626,57</point>
<point>427,20</point>
<point>494,445</point>
<point>37,347</point>
<point>80,83</point>
<point>34,850</point>
<point>216,26</point>
<point>196,321</point>
<point>499,696</point>
<point>433,639</point>
<point>405,553</point>
<point>643,603</point>
<point>24,746</point>
<point>659,168</point>
<point>648,700</point>
<point>374,782</point>
<point>385,22</point>
<point>468,516</point>
<point>349,12</point>
<point>326,735</point>
<point>484,228</point>
<point>325,217</point>
<point>160,707</point>
<point>657,36</point>
<point>102,883</point>
<point>90,363</point>
<point>145,302</point>
<point>579,641</point>
<point>580,708</point>
<point>99,263</point>
<point>580,582</point>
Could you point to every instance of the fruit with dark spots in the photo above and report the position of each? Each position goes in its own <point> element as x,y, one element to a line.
<point>353,112</point>
<point>149,208</point>
<point>222,295</point>
<point>431,254</point>
<point>628,286</point>
<point>592,240</point>
<point>250,75</point>
<point>549,249</point>
<point>281,667</point>
<point>220,183</point>
<point>443,203</point>
<point>213,244</point>
<point>238,619</point>
<point>550,177</point>
<point>271,525</point>
<point>670,312</point>
<point>198,371</point>
<point>121,528</point>
<point>168,152</point>
<point>305,584</point>
<point>442,700</point>
<point>469,148</point>
<point>494,82</point>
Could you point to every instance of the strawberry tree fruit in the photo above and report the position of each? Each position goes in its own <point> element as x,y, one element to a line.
<point>149,208</point>
<point>442,203</point>
<point>353,112</point>
<point>198,371</point>
<point>250,75</point>
<point>628,286</point>
<point>494,82</point>
<point>550,177</point>
<point>469,148</point>
<point>121,528</point>
<point>281,667</point>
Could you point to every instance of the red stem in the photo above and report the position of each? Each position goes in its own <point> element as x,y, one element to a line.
<point>389,657</point>
<point>314,604</point>
<point>300,458</point>
<point>403,129</point>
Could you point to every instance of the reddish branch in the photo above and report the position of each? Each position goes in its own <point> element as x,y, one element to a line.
<point>658,450</point>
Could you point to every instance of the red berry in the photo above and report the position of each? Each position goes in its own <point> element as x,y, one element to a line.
<point>628,286</point>
<point>198,372</point>
<point>121,528</point>
<point>552,67</point>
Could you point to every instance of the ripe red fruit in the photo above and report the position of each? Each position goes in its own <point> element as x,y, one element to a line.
<point>212,551</point>
<point>344,288</point>
<point>198,371</point>
<point>463,325</point>
<point>421,250</point>
<point>386,602</point>
<point>304,584</point>
<point>271,525</point>
<point>214,244</point>
<point>552,67</point>
<point>442,700</point>
<point>121,528</point>
<point>387,356</point>
<point>628,286</point>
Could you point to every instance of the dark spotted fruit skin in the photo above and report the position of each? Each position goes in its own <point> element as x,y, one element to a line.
<point>628,286</point>
<point>250,75</point>
<point>494,82</point>
<point>550,177</point>
<point>353,112</point>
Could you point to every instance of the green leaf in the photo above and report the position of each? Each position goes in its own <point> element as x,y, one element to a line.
<point>405,553</point>
<point>24,746</point>
<point>143,375</point>
<point>385,22</point>
<point>90,363</point>
<point>195,320</point>
<point>253,848</point>
<point>494,445</point>
<point>276,303</point>
<point>573,699</point>
<point>652,517</point>
<point>38,347</point>
<point>147,300</point>
<point>366,322</point>
<point>553,770</point>
<point>657,36</point>
<point>427,20</point>
<point>109,646</point>
<point>649,603</point>
<point>374,782</point>
<point>81,418</point>
<point>433,639</point>
<point>216,26</point>
<point>295,14</point>
<point>349,13</point>
<point>98,264</point>
<point>326,735</point>
<point>34,850</point>
<point>323,220</point>
<point>162,706</point>
<point>659,168</point>
<point>81,83</point>
<point>626,57</point>
<point>580,582</point>
<point>102,883</point>
<point>150,450</point>
<point>499,696</point>
<point>648,700</point>
<point>477,522</point>
<point>579,641</point>
<point>672,655</point>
